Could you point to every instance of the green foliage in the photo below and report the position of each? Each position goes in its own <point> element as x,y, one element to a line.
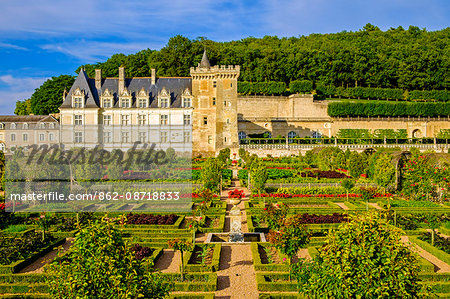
<point>49,96</point>
<point>224,155</point>
<point>354,133</point>
<point>444,134</point>
<point>363,258</point>
<point>327,158</point>
<point>301,86</point>
<point>274,215</point>
<point>101,265</point>
<point>392,109</point>
<point>258,175</point>
<point>422,95</point>
<point>357,164</point>
<point>182,246</point>
<point>384,171</point>
<point>210,174</point>
<point>23,107</point>
<point>366,58</point>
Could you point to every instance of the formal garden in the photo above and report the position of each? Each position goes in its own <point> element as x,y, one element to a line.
<point>327,224</point>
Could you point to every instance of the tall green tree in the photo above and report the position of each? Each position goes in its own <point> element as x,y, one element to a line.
<point>258,176</point>
<point>49,96</point>
<point>211,174</point>
<point>23,107</point>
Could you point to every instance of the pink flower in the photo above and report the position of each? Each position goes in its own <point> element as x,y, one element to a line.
<point>284,259</point>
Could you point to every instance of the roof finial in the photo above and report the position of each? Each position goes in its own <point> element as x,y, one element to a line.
<point>205,60</point>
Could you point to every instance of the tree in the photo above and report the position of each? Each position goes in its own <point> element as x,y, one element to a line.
<point>211,174</point>
<point>347,184</point>
<point>357,164</point>
<point>364,258</point>
<point>182,246</point>
<point>49,96</point>
<point>290,237</point>
<point>101,265</point>
<point>258,176</point>
<point>23,107</point>
<point>384,171</point>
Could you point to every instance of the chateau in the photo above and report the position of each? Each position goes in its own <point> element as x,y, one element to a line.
<point>202,113</point>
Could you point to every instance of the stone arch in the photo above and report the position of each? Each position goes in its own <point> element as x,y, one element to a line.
<point>417,133</point>
<point>2,147</point>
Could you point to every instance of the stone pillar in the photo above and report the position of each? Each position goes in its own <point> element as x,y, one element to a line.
<point>98,79</point>
<point>153,76</point>
<point>121,80</point>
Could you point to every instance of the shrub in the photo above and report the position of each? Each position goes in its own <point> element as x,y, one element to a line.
<point>100,265</point>
<point>303,86</point>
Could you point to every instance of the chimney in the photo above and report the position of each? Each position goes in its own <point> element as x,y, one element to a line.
<point>121,80</point>
<point>153,76</point>
<point>98,79</point>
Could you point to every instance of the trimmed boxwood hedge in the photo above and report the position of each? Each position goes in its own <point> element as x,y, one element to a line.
<point>389,109</point>
<point>214,266</point>
<point>445,257</point>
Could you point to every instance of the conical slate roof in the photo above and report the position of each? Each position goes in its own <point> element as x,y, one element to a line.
<point>205,61</point>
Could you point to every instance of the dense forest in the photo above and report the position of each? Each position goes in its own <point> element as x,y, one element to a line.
<point>398,58</point>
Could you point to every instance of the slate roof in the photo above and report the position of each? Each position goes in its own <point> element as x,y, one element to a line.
<point>174,86</point>
<point>205,60</point>
<point>26,118</point>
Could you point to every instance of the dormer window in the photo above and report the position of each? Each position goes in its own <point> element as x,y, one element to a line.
<point>51,125</point>
<point>186,99</point>
<point>187,103</point>
<point>25,126</point>
<point>13,126</point>
<point>107,103</point>
<point>2,126</point>
<point>78,102</point>
<point>42,125</point>
<point>164,99</point>
<point>164,103</point>
<point>125,103</point>
<point>142,103</point>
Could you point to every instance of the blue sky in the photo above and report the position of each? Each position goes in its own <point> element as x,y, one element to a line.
<point>44,38</point>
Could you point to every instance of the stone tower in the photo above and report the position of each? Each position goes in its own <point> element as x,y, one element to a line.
<point>215,107</point>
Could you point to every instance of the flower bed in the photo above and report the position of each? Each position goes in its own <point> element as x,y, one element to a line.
<point>151,219</point>
<point>203,258</point>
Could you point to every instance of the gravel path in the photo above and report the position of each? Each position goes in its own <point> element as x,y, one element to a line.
<point>375,205</point>
<point>236,277</point>
<point>38,265</point>
<point>442,267</point>
<point>342,205</point>
<point>169,261</point>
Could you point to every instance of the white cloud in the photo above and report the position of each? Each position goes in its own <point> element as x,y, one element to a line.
<point>11,46</point>
<point>15,89</point>
<point>93,51</point>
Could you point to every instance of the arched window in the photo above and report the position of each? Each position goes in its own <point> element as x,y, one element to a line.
<point>242,135</point>
<point>291,136</point>
<point>25,126</point>
<point>2,147</point>
<point>316,134</point>
<point>13,126</point>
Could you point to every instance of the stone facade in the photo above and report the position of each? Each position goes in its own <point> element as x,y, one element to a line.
<point>201,114</point>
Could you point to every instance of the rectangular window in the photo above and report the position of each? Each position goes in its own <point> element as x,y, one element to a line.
<point>25,137</point>
<point>187,137</point>
<point>224,103</point>
<point>205,120</point>
<point>142,103</point>
<point>164,103</point>
<point>228,121</point>
<point>214,84</point>
<point>142,119</point>
<point>13,136</point>
<point>41,137</point>
<point>187,103</point>
<point>214,102</point>
<point>210,139</point>
<point>78,137</point>
<point>187,119</point>
<point>164,119</point>
<point>125,103</point>
<point>231,84</point>
<point>125,137</point>
<point>107,103</point>
<point>78,102</point>
<point>225,140</point>
<point>107,137</point>
<point>107,120</point>
<point>125,120</point>
<point>78,119</point>
<point>51,137</point>
<point>143,137</point>
<point>163,137</point>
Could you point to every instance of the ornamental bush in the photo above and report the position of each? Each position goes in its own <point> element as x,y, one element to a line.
<point>101,265</point>
<point>364,258</point>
